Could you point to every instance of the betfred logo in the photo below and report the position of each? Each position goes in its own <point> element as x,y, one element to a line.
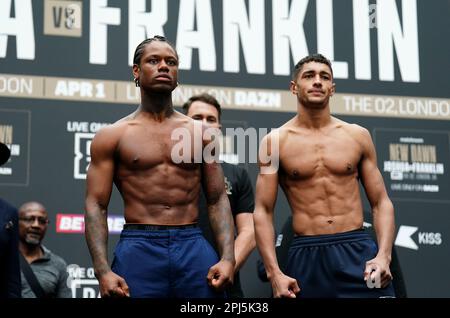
<point>69,223</point>
<point>74,223</point>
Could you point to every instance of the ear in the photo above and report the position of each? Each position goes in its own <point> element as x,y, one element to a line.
<point>136,70</point>
<point>293,87</point>
<point>333,89</point>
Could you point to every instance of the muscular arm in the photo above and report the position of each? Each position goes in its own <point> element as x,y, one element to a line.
<point>382,208</point>
<point>98,193</point>
<point>266,194</point>
<point>219,275</point>
<point>245,239</point>
<point>383,212</point>
<point>219,210</point>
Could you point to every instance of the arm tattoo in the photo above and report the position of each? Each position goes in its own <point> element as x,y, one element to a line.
<point>219,212</point>
<point>96,228</point>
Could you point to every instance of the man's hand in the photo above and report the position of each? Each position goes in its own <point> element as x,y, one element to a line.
<point>112,285</point>
<point>284,286</point>
<point>377,270</point>
<point>220,276</point>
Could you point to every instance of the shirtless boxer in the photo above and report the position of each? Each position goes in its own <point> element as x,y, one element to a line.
<point>161,252</point>
<point>321,161</point>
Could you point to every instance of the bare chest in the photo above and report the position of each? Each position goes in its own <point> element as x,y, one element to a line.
<point>306,157</point>
<point>146,148</point>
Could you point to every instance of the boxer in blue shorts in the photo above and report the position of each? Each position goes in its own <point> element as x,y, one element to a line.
<point>165,261</point>
<point>332,265</point>
<point>151,156</point>
<point>319,161</point>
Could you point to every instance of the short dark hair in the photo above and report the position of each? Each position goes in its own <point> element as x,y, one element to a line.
<point>140,48</point>
<point>206,98</point>
<point>319,58</point>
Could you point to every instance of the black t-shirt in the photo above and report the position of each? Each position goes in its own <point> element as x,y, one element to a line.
<point>240,194</point>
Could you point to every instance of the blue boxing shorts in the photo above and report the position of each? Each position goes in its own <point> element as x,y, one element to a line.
<point>332,265</point>
<point>159,261</point>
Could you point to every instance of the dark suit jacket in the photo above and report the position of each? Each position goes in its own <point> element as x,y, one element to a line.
<point>10,283</point>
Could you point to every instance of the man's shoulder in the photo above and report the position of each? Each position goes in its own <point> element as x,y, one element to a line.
<point>112,133</point>
<point>356,131</point>
<point>233,171</point>
<point>230,166</point>
<point>352,127</point>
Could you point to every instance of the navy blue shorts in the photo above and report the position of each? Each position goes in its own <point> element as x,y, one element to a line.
<point>165,263</point>
<point>330,266</point>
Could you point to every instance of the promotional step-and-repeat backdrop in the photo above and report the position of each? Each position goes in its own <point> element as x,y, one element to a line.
<point>65,72</point>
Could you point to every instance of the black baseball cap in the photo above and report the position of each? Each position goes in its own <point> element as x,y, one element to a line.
<point>5,153</point>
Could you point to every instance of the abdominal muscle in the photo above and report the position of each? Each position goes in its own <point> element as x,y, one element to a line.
<point>160,198</point>
<point>320,209</point>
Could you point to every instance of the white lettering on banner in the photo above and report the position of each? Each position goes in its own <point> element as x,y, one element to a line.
<point>15,150</point>
<point>5,171</point>
<point>82,154</point>
<point>82,281</point>
<point>15,85</point>
<point>100,17</point>
<point>199,11</point>
<point>94,127</point>
<point>406,187</point>
<point>183,93</point>
<point>361,36</point>
<point>115,225</point>
<point>84,126</point>
<point>246,29</point>
<point>75,126</point>
<point>415,167</point>
<point>6,134</point>
<point>257,99</point>
<point>428,107</point>
<point>288,32</point>
<point>142,24</point>
<point>79,88</point>
<point>405,40</point>
<point>389,106</point>
<point>404,238</point>
<point>84,133</point>
<point>71,224</point>
<point>430,238</point>
<point>325,37</point>
<point>74,223</point>
<point>21,26</point>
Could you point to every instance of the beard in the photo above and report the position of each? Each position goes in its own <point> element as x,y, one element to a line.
<point>33,240</point>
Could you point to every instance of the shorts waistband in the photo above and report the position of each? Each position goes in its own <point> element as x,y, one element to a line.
<point>327,239</point>
<point>157,227</point>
